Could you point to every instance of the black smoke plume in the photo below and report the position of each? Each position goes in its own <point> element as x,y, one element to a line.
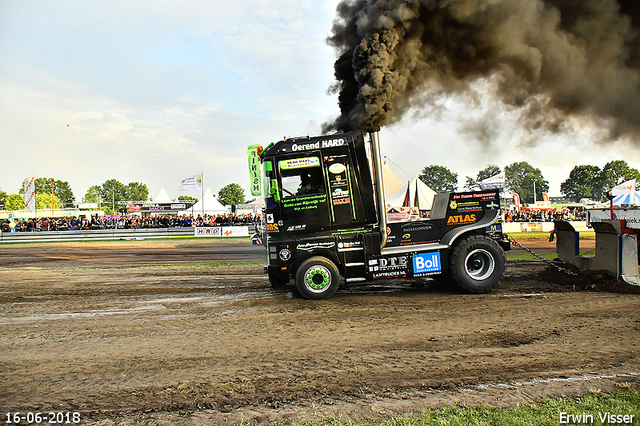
<point>551,58</point>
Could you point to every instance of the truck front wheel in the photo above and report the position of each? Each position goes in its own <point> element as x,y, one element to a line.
<point>278,279</point>
<point>317,278</point>
<point>477,264</point>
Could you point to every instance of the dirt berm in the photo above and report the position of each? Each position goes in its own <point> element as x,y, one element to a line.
<point>159,333</point>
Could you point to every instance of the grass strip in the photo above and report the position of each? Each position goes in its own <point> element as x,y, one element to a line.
<point>538,235</point>
<point>548,256</point>
<point>545,412</point>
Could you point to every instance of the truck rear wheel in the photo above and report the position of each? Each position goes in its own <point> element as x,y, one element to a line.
<point>477,264</point>
<point>317,278</point>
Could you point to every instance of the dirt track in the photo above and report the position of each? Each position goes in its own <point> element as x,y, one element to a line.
<point>84,328</point>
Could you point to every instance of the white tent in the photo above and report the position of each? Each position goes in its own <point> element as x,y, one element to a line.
<point>207,205</point>
<point>391,182</point>
<point>255,207</point>
<point>409,193</point>
<point>163,197</point>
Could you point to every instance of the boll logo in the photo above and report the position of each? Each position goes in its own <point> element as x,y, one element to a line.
<point>426,262</point>
<point>461,219</point>
<point>453,205</point>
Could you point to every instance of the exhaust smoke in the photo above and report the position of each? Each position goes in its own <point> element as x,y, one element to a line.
<point>551,59</point>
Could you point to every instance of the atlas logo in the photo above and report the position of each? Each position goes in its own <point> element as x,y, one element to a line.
<point>461,219</point>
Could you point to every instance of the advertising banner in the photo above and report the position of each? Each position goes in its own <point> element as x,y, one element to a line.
<point>222,231</point>
<point>254,170</point>
<point>29,189</point>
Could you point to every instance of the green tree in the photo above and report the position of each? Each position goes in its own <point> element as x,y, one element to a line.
<point>614,173</point>
<point>137,191</point>
<point>520,179</point>
<point>113,191</point>
<point>474,184</point>
<point>439,178</point>
<point>43,201</point>
<point>93,195</point>
<point>3,196</point>
<point>14,202</point>
<point>61,190</point>
<point>231,194</point>
<point>583,182</point>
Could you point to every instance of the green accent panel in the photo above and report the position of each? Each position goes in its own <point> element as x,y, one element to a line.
<point>274,190</point>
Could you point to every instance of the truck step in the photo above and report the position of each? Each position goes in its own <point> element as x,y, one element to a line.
<point>353,280</point>
<point>353,264</point>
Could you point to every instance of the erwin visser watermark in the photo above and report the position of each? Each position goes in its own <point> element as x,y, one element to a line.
<point>605,418</point>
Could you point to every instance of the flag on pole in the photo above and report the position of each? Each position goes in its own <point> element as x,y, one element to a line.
<point>625,193</point>
<point>545,196</point>
<point>192,182</point>
<point>624,187</point>
<point>494,182</point>
<point>29,189</point>
<point>516,200</point>
<point>254,169</point>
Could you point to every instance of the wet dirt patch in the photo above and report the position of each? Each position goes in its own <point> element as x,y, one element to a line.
<point>170,343</point>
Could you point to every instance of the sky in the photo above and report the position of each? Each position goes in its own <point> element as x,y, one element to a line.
<point>157,91</point>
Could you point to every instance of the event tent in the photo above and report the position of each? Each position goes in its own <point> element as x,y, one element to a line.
<point>207,205</point>
<point>391,182</point>
<point>163,197</point>
<point>414,194</point>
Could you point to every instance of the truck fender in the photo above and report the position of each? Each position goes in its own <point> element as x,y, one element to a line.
<point>450,237</point>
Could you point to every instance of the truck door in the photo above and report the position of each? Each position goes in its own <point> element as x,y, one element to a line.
<point>341,197</point>
<point>304,194</point>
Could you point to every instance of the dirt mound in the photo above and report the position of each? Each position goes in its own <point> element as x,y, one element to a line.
<point>599,281</point>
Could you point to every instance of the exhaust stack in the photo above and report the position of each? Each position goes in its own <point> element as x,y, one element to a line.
<point>379,182</point>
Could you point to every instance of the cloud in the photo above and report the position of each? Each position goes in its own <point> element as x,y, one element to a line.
<point>152,91</point>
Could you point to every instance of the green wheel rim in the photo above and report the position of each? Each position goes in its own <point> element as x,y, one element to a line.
<point>317,279</point>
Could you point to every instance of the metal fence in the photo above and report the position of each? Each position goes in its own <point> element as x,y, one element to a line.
<point>94,234</point>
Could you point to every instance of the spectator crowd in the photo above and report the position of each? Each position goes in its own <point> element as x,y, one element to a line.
<point>227,219</point>
<point>126,222</point>
<point>533,215</point>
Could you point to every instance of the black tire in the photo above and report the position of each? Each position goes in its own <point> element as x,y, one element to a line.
<point>477,264</point>
<point>317,278</point>
<point>278,280</point>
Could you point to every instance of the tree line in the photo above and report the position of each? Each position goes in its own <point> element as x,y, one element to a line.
<point>57,194</point>
<point>584,181</point>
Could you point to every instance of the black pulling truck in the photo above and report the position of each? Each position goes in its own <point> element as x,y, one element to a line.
<point>325,218</point>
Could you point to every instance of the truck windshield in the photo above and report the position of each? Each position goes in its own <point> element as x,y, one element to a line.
<point>301,177</point>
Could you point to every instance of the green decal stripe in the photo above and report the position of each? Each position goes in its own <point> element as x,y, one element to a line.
<point>333,216</point>
<point>353,205</point>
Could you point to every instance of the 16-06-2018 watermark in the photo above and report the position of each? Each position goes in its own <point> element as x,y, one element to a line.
<point>36,418</point>
<point>601,418</point>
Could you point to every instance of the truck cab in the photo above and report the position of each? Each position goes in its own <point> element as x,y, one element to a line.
<point>325,221</point>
